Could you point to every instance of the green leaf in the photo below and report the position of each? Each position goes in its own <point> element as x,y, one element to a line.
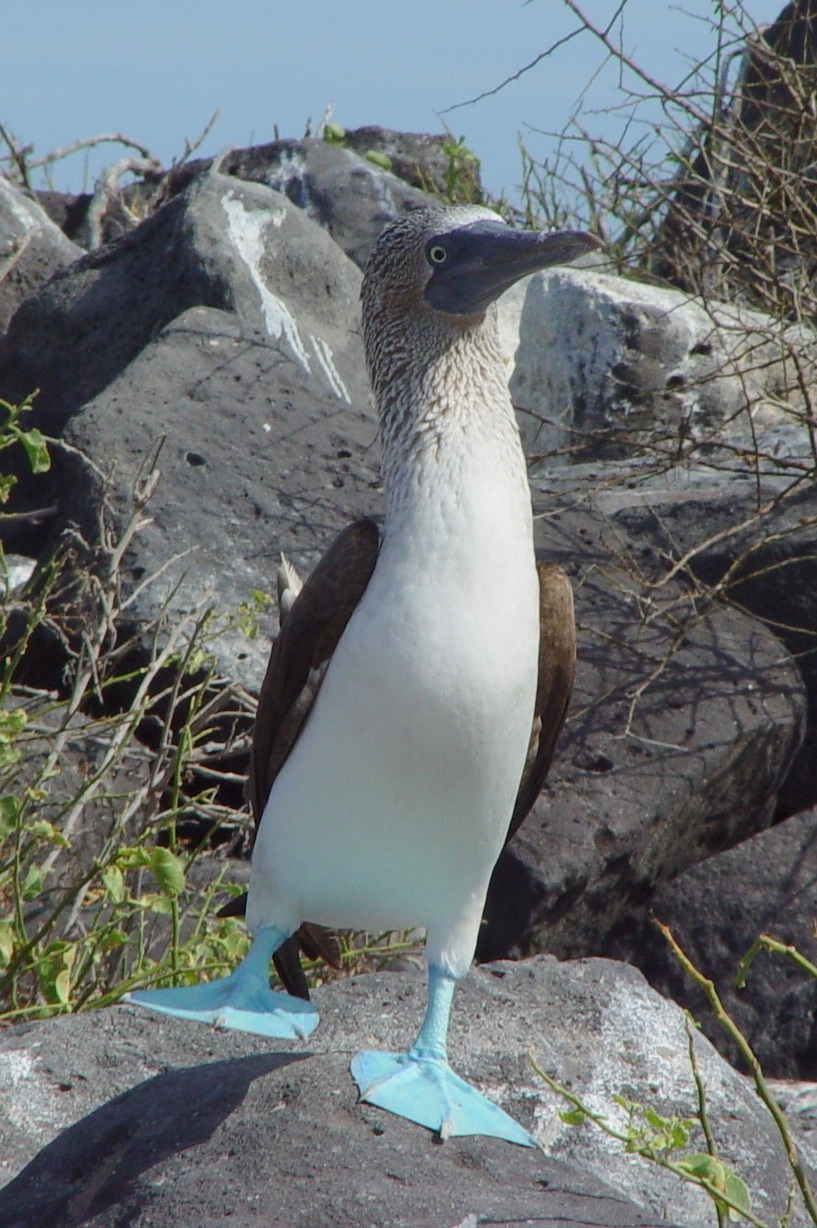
<point>169,871</point>
<point>737,1191</point>
<point>133,857</point>
<point>36,450</point>
<point>699,1164</point>
<point>32,884</point>
<point>9,815</point>
<point>13,721</point>
<point>114,881</point>
<point>49,832</point>
<point>572,1117</point>
<point>156,903</point>
<point>62,986</point>
<point>655,1120</point>
<point>713,1170</point>
<point>378,159</point>
<point>112,939</point>
<point>6,943</point>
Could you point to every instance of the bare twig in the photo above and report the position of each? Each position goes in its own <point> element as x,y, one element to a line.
<point>190,147</point>
<point>89,142</point>
<point>106,188</point>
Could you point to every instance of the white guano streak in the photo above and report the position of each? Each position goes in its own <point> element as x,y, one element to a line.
<point>324,356</point>
<point>246,228</point>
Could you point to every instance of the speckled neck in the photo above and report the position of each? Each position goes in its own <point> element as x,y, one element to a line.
<point>440,388</point>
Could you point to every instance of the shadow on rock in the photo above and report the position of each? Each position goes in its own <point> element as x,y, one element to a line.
<point>94,1164</point>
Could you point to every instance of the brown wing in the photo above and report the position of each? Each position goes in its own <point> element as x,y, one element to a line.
<point>298,662</point>
<point>557,666</point>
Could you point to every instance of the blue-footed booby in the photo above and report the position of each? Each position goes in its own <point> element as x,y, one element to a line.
<point>421,675</point>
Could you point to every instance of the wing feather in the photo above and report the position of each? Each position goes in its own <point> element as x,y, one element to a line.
<point>557,667</point>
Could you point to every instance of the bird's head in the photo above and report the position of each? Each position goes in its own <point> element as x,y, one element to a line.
<point>455,262</point>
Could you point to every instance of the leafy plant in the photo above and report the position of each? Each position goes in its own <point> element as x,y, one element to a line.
<point>663,1140</point>
<point>13,435</point>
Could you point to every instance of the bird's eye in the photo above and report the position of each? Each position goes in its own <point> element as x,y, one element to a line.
<point>437,254</point>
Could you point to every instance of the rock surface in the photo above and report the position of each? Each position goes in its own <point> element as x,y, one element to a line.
<point>716,911</point>
<point>347,194</point>
<point>606,366</point>
<point>224,244</point>
<point>31,248</point>
<point>117,1117</point>
<point>759,537</point>
<point>335,183</point>
<point>241,351</point>
<point>421,160</point>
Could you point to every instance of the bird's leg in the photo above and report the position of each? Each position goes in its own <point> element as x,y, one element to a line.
<point>422,1087</point>
<point>432,1038</point>
<point>243,1000</point>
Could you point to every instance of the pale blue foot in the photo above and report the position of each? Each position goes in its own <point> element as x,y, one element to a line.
<point>242,1001</point>
<point>422,1087</point>
<point>426,1090</point>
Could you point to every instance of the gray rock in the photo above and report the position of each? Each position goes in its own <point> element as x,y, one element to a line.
<point>256,459</point>
<point>225,244</point>
<point>352,197</point>
<point>117,1117</point>
<point>606,366</point>
<point>31,248</point>
<point>346,194</point>
<point>798,1100</point>
<point>66,211</point>
<point>425,161</point>
<point>337,185</point>
<point>716,910</point>
<point>684,722</point>
<point>16,571</point>
<point>241,350</point>
<point>758,535</point>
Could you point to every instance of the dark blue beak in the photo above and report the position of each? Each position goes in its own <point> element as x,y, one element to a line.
<point>474,264</point>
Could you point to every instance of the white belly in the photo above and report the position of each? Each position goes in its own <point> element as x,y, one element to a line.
<point>395,802</point>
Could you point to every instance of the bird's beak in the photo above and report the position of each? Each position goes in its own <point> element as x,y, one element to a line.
<point>484,259</point>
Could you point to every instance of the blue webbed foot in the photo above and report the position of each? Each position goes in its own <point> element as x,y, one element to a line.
<point>242,1001</point>
<point>233,1003</point>
<point>424,1089</point>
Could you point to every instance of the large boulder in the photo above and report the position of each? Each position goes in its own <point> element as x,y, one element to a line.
<point>757,538</point>
<point>236,247</point>
<point>352,187</point>
<point>119,1117</point>
<point>225,326</point>
<point>352,197</point>
<point>435,163</point>
<point>609,367</point>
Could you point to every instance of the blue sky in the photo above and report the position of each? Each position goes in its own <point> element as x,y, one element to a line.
<point>157,70</point>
